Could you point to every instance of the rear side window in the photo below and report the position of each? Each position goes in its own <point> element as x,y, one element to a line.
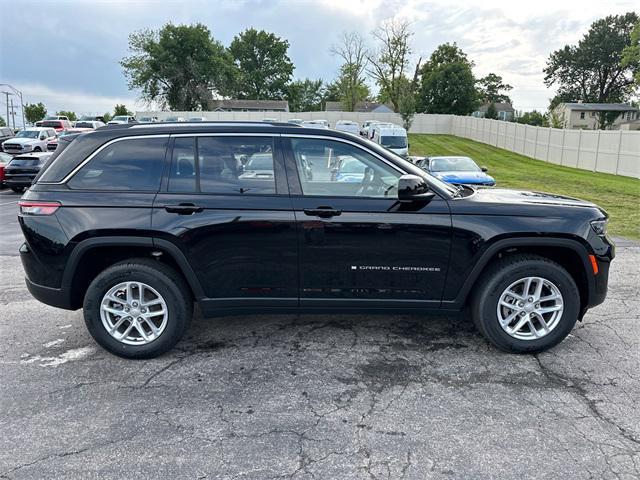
<point>223,165</point>
<point>134,164</point>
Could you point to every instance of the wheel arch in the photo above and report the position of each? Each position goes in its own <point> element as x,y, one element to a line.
<point>91,256</point>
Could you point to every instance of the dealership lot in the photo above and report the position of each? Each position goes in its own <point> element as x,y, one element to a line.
<point>317,397</point>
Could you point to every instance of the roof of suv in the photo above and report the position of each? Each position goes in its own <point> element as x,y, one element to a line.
<point>85,144</point>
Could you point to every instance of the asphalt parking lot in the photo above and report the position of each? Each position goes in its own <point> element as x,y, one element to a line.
<point>317,397</point>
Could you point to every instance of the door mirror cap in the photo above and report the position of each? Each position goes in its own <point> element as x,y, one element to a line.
<point>413,187</point>
<point>484,169</point>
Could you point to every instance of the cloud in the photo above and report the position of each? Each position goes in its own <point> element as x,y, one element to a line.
<point>70,61</point>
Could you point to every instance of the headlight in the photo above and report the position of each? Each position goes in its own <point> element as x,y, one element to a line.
<point>600,226</point>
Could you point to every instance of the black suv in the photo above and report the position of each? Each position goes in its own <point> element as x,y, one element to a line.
<point>134,223</point>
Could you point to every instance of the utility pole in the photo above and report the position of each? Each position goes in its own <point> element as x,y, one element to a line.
<point>7,100</point>
<point>13,115</point>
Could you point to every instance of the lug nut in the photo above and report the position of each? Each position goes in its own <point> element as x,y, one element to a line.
<point>139,319</point>
<point>143,310</point>
<point>522,314</point>
<point>126,309</point>
<point>537,305</point>
<point>135,304</point>
<point>520,304</point>
<point>530,299</point>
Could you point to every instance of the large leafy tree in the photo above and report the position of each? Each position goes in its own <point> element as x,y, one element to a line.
<point>34,112</point>
<point>388,64</point>
<point>353,53</point>
<point>631,53</point>
<point>447,82</point>
<point>121,109</point>
<point>69,114</point>
<point>491,88</point>
<point>2,122</point>
<point>594,70</point>
<point>305,95</point>
<point>262,67</point>
<point>534,117</point>
<point>178,66</point>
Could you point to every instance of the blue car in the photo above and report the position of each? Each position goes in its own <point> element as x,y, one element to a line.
<point>457,170</point>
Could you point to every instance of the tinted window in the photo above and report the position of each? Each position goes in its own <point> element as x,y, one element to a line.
<point>223,165</point>
<point>134,164</point>
<point>330,168</point>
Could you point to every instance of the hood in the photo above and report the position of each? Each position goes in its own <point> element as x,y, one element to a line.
<point>523,197</point>
<point>471,177</point>
<point>21,141</point>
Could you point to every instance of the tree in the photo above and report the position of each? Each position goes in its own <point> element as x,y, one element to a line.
<point>447,82</point>
<point>120,109</point>
<point>34,112</point>
<point>305,95</point>
<point>178,66</point>
<point>106,116</point>
<point>353,53</point>
<point>593,70</point>
<point>532,118</point>
<point>2,122</point>
<point>407,107</point>
<point>491,113</point>
<point>490,88</point>
<point>262,67</point>
<point>631,53</point>
<point>390,61</point>
<point>70,115</point>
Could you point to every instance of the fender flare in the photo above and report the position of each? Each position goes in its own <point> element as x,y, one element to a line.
<point>482,262</point>
<point>131,241</point>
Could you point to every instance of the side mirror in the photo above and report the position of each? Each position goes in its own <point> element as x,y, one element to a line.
<point>413,187</point>
<point>484,169</point>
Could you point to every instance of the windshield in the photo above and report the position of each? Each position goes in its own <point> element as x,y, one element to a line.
<point>394,142</point>
<point>28,134</point>
<point>260,162</point>
<point>120,118</point>
<point>453,164</point>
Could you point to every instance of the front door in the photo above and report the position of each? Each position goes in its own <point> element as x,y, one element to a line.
<point>358,245</point>
<point>226,205</point>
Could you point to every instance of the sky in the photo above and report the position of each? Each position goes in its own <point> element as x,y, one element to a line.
<point>65,53</point>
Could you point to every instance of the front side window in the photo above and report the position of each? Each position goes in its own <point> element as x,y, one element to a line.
<point>134,164</point>
<point>331,168</point>
<point>223,165</point>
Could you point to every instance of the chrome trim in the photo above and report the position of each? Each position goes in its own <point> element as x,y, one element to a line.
<point>226,134</point>
<point>102,147</point>
<point>201,124</point>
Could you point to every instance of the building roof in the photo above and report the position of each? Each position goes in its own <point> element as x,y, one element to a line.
<point>602,107</point>
<point>250,104</point>
<point>365,107</point>
<point>500,107</point>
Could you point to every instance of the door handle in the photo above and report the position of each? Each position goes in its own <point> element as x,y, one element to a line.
<point>322,212</point>
<point>183,209</point>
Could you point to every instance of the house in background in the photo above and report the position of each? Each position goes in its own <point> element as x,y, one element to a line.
<point>585,116</point>
<point>363,107</point>
<point>249,106</point>
<point>505,111</point>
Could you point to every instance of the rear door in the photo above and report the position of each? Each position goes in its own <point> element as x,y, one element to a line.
<point>225,204</point>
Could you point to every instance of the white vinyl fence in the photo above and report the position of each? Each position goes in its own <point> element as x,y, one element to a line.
<point>607,151</point>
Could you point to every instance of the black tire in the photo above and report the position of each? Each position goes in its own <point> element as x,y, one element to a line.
<point>17,189</point>
<point>166,281</point>
<point>498,277</point>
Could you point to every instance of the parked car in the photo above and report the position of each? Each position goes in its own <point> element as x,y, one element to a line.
<point>197,119</point>
<point>315,124</point>
<point>6,133</point>
<point>366,126</point>
<point>457,170</point>
<point>5,158</point>
<point>57,117</point>
<point>58,125</point>
<point>349,169</point>
<point>347,126</point>
<point>122,119</point>
<point>89,124</point>
<point>527,265</point>
<point>22,169</point>
<point>392,137</point>
<point>148,120</point>
<point>29,140</point>
<point>53,144</point>
<point>174,119</point>
<point>259,165</point>
<point>295,121</point>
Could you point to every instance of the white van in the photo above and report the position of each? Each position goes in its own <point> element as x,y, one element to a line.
<point>347,126</point>
<point>315,124</point>
<point>392,137</point>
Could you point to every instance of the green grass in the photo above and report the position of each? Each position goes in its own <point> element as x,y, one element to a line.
<point>619,196</point>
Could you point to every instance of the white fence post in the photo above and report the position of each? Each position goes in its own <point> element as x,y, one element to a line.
<point>618,154</point>
<point>595,166</point>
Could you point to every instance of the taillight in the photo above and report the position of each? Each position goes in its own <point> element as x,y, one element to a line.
<point>37,208</point>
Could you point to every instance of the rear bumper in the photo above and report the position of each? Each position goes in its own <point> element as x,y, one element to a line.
<point>56,297</point>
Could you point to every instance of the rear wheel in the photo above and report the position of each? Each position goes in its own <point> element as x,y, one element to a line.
<point>18,189</point>
<point>138,309</point>
<point>526,304</point>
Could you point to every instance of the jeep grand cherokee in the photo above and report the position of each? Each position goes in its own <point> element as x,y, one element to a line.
<point>135,223</point>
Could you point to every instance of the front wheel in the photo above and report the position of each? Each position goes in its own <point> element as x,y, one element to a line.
<point>138,308</point>
<point>526,304</point>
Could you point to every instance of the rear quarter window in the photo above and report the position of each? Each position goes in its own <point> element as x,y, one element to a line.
<point>131,165</point>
